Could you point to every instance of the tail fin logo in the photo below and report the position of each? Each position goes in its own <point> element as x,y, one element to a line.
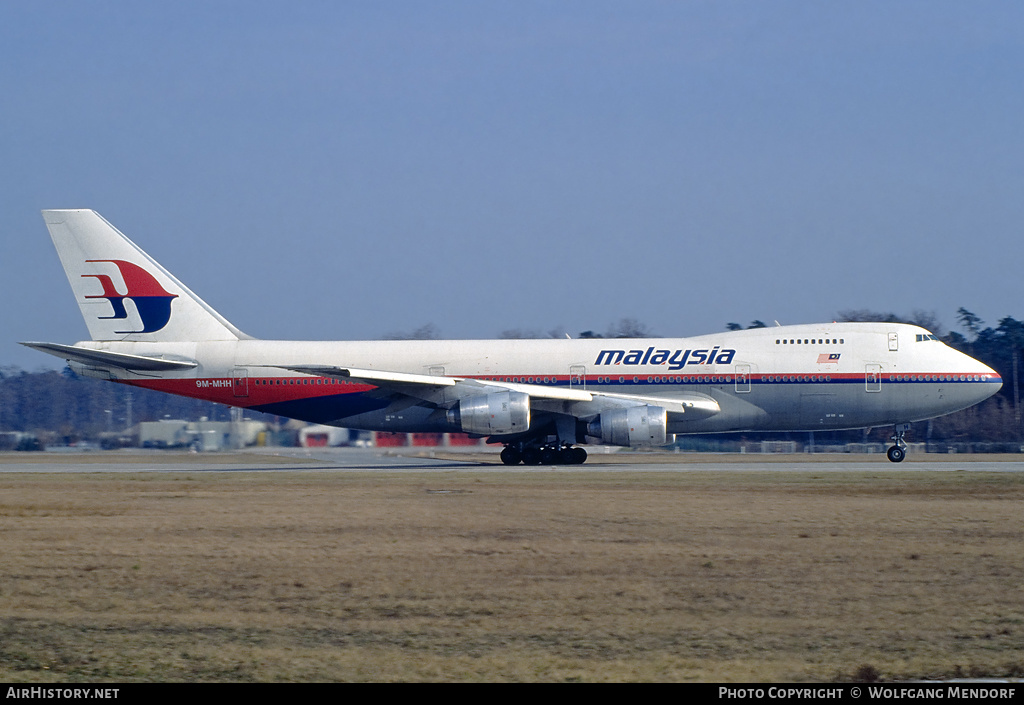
<point>151,300</point>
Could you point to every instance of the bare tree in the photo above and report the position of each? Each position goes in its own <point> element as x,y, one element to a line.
<point>532,333</point>
<point>629,328</point>
<point>425,332</point>
<point>918,317</point>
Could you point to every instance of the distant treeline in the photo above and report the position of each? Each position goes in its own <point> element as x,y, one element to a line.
<point>63,407</point>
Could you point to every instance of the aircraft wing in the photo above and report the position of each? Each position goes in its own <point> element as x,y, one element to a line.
<point>444,391</point>
<point>106,358</point>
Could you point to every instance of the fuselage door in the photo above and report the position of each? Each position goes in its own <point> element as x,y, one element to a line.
<point>894,342</point>
<point>742,379</point>
<point>240,381</point>
<point>577,377</point>
<point>873,378</point>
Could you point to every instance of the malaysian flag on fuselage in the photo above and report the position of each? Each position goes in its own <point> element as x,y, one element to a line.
<point>828,357</point>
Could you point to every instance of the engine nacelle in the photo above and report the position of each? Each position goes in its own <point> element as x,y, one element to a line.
<point>492,414</point>
<point>634,426</point>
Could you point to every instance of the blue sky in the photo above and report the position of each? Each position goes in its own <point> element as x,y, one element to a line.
<point>351,170</point>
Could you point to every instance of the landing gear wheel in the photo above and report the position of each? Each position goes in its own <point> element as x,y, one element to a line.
<point>547,454</point>
<point>511,456</point>
<point>898,451</point>
<point>570,455</point>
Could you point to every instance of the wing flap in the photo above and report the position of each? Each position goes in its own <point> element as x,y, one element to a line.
<point>408,381</point>
<point>376,377</point>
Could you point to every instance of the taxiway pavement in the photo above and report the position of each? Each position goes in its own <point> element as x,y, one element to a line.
<point>446,460</point>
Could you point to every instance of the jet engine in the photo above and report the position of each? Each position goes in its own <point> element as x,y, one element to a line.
<point>492,414</point>
<point>634,426</point>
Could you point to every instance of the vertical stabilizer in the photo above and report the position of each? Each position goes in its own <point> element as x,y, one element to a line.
<point>123,293</point>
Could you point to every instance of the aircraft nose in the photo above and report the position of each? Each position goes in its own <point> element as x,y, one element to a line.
<point>995,380</point>
<point>991,383</point>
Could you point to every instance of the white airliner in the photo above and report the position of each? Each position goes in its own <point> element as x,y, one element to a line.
<point>540,398</point>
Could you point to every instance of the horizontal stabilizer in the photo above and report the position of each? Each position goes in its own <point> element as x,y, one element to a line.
<point>106,358</point>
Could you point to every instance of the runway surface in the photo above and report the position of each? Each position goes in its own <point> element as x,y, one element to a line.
<point>447,460</point>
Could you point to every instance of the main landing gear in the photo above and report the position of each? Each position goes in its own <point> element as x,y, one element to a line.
<point>547,454</point>
<point>898,451</point>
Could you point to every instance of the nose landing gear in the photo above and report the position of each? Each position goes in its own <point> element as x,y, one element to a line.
<point>898,451</point>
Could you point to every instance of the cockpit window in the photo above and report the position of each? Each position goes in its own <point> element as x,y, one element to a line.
<point>926,336</point>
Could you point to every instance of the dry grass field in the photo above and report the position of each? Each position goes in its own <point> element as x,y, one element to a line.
<point>766,575</point>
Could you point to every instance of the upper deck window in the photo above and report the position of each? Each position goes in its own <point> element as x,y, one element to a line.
<point>820,341</point>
